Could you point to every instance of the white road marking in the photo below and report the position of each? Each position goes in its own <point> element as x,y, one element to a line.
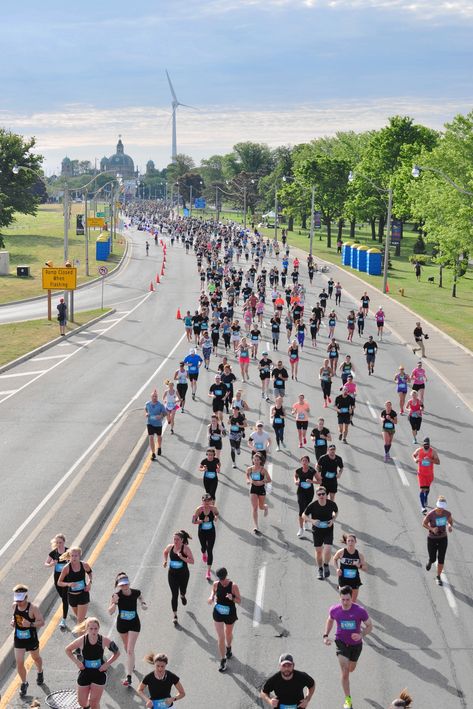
<point>43,359</point>
<point>84,455</point>
<point>103,329</point>
<point>8,391</point>
<point>22,374</point>
<point>64,344</point>
<point>123,312</point>
<point>258,611</point>
<point>401,472</point>
<point>372,411</point>
<point>449,594</point>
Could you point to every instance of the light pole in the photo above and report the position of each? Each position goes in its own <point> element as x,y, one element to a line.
<point>389,192</point>
<point>312,209</point>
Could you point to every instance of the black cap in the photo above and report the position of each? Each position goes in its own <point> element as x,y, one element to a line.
<point>426,439</point>
<point>286,658</point>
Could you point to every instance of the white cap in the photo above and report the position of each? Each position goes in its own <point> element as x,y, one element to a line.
<point>441,504</point>
<point>20,595</point>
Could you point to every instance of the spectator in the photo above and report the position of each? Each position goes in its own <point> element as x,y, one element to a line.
<point>62,315</point>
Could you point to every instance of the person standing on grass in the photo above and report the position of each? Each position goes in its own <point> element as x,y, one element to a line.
<point>62,316</point>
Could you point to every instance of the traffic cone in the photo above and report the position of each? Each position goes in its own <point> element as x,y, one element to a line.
<point>157,278</point>
<point>162,270</point>
<point>151,287</point>
<point>387,287</point>
<point>178,315</point>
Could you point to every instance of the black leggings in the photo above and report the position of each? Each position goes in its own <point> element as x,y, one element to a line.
<point>207,541</point>
<point>437,549</point>
<point>210,485</point>
<point>235,446</point>
<point>62,592</point>
<point>279,433</point>
<point>326,388</point>
<point>178,581</point>
<point>182,390</point>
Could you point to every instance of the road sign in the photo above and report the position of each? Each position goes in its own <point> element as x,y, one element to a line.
<point>100,214</point>
<point>96,221</point>
<point>59,278</point>
<point>103,270</point>
<point>80,225</point>
<point>199,203</point>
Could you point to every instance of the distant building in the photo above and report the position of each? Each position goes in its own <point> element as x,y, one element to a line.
<point>150,167</point>
<point>119,163</point>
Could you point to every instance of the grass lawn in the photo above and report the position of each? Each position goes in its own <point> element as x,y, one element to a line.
<point>452,315</point>
<point>33,240</point>
<point>18,338</point>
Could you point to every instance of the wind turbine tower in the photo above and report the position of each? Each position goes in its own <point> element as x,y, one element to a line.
<point>175,104</point>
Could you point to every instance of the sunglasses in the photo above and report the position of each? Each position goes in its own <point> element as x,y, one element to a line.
<point>321,494</point>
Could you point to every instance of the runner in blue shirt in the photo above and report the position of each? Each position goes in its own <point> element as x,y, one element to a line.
<point>155,413</point>
<point>193,362</point>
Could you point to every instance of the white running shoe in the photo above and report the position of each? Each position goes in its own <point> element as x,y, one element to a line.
<point>300,532</point>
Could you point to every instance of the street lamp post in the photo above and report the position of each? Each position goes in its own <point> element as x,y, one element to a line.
<point>312,217</point>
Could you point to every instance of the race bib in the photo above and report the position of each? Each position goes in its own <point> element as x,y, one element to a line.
<point>23,634</point>
<point>176,564</point>
<point>223,610</point>
<point>127,615</point>
<point>349,573</point>
<point>92,664</point>
<point>306,485</point>
<point>206,526</point>
<point>77,586</point>
<point>348,624</point>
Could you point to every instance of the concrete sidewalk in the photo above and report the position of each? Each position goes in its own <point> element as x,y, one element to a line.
<point>452,362</point>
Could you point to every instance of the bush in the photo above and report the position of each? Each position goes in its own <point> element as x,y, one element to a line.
<point>422,259</point>
<point>419,246</point>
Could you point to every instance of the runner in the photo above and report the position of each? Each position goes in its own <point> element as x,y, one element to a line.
<point>332,322</point>
<point>321,438</point>
<point>360,322</point>
<point>210,467</point>
<point>348,562</point>
<point>26,620</point>
<point>91,662</point>
<point>419,337</point>
<point>321,513</point>
<point>351,318</point>
<point>260,440</point>
<point>244,358</point>
<point>365,304</point>
<point>280,376</point>
<point>155,413</point>
<point>255,334</point>
<point>225,594</point>
<point>439,523</point>
<point>379,317</point>
<point>419,378</point>
<point>288,686</point>
<point>128,623</point>
<point>160,683</point>
<point>425,457</point>
<point>289,324</point>
<point>236,423</point>
<point>206,515</point>
<point>353,624</point>
<point>370,347</point>
<point>215,334</point>
<point>258,477</point>
<point>300,331</point>
<point>193,362</point>
<point>218,392</point>
<point>227,377</point>
<point>182,378</point>
<point>389,419</point>
<point>344,405</point>
<point>275,330</point>
<point>402,380</point>
<point>414,406</point>
<point>325,376</point>
<point>293,353</point>
<point>329,471</point>
<point>265,365</point>
<point>304,478</point>
<point>180,556</point>
<point>278,416</point>
<point>76,576</point>
<point>347,367</point>
<point>338,293</point>
<point>333,350</point>
<point>301,410</point>
<point>58,549</point>
<point>206,343</point>
<point>187,320</point>
<point>314,328</point>
<point>170,398</point>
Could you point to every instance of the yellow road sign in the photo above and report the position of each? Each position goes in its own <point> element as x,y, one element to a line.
<point>59,278</point>
<point>96,221</point>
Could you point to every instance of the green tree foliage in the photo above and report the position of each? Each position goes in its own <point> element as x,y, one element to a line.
<point>182,165</point>
<point>185,182</point>
<point>253,158</point>
<point>19,171</point>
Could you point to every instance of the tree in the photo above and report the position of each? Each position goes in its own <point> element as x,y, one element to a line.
<point>254,158</point>
<point>19,169</point>
<point>182,165</point>
<point>185,182</point>
<point>39,191</point>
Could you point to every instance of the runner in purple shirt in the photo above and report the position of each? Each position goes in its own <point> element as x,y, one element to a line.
<point>353,623</point>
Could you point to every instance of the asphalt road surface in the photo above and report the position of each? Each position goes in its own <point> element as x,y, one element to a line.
<point>422,634</point>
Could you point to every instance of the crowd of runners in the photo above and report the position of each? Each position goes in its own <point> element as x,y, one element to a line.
<point>252,291</point>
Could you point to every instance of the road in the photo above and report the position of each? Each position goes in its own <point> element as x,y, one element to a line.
<point>422,635</point>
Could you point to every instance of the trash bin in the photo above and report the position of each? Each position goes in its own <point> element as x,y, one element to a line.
<point>23,271</point>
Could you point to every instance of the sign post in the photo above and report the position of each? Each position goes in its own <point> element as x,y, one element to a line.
<point>103,270</point>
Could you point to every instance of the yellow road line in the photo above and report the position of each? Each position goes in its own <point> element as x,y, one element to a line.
<point>50,628</point>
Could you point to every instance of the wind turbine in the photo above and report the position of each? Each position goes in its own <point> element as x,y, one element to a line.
<point>175,104</point>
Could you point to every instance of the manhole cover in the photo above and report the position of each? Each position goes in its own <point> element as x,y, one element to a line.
<point>63,699</point>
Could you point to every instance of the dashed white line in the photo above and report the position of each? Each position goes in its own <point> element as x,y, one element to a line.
<point>103,329</point>
<point>449,594</point>
<point>401,472</point>
<point>258,611</point>
<point>8,391</point>
<point>64,344</point>
<point>22,374</point>
<point>371,410</point>
<point>43,359</point>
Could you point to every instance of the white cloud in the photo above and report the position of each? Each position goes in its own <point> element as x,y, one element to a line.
<point>86,131</point>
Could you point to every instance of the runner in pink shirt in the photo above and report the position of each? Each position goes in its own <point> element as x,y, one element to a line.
<point>379,317</point>
<point>419,378</point>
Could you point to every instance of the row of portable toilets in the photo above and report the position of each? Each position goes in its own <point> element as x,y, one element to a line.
<point>362,258</point>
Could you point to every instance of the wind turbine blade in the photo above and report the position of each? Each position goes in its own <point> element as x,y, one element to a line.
<point>186,105</point>
<point>171,87</point>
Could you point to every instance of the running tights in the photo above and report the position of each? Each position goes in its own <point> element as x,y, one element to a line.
<point>63,593</point>
<point>207,541</point>
<point>326,388</point>
<point>178,581</point>
<point>279,433</point>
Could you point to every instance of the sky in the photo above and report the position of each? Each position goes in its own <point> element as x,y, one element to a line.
<point>76,76</point>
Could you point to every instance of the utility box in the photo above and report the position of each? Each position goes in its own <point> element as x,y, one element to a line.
<point>4,263</point>
<point>23,271</point>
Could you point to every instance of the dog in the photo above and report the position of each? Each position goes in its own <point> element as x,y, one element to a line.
<point>431,279</point>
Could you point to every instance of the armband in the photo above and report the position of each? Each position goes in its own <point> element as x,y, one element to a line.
<point>113,647</point>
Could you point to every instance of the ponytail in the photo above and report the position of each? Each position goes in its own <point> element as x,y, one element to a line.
<point>185,536</point>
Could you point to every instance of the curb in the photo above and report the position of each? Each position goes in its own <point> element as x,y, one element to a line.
<point>51,343</point>
<point>80,286</point>
<point>47,596</point>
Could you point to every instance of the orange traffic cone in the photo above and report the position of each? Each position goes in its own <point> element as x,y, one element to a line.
<point>151,287</point>
<point>162,270</point>
<point>178,315</point>
<point>157,278</point>
<point>387,287</point>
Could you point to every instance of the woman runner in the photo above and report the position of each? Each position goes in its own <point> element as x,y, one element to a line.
<point>58,549</point>
<point>304,478</point>
<point>76,576</point>
<point>206,515</point>
<point>402,380</point>
<point>258,477</point>
<point>325,376</point>
<point>226,594</point>
<point>389,420</point>
<point>293,353</point>
<point>128,623</point>
<point>348,562</point>
<point>178,556</point>
<point>278,421</point>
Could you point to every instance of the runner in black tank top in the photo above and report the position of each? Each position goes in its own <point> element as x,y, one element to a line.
<point>226,594</point>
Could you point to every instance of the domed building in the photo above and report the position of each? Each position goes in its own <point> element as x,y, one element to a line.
<point>119,163</point>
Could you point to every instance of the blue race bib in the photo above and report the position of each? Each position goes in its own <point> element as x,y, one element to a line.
<point>176,564</point>
<point>287,706</point>
<point>58,567</point>
<point>441,522</point>
<point>279,383</point>
<point>77,586</point>
<point>218,392</point>
<point>329,474</point>
<point>23,634</point>
<point>426,462</point>
<point>255,476</point>
<point>215,436</point>
<point>206,525</point>
<point>344,410</point>
<point>348,624</point>
<point>259,446</point>
<point>234,427</point>
<point>223,610</point>
<point>320,442</point>
<point>322,525</point>
<point>127,615</point>
<point>293,355</point>
<point>210,474</point>
<point>160,704</point>
<point>349,573</point>
<point>388,424</point>
<point>304,484</point>
<point>92,664</point>
<point>277,419</point>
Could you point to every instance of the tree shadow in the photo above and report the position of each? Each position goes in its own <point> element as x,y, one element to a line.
<point>386,548</point>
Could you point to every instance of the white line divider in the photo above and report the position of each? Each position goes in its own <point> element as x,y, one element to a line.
<point>84,455</point>
<point>22,374</point>
<point>372,411</point>
<point>449,594</point>
<point>258,611</point>
<point>43,359</point>
<point>401,472</point>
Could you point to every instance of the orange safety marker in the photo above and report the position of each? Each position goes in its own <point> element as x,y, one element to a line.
<point>162,270</point>
<point>151,287</point>
<point>387,287</point>
<point>178,314</point>
<point>157,278</point>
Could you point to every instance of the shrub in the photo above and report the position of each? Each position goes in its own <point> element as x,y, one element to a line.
<point>419,246</point>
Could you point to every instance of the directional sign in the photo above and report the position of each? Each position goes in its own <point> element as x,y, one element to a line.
<point>59,278</point>
<point>96,221</point>
<point>100,214</point>
<point>103,270</point>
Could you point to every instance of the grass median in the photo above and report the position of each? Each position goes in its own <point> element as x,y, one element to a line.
<point>452,315</point>
<point>17,339</point>
<point>33,240</point>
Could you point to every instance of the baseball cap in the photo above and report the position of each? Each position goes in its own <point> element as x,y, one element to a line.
<point>265,352</point>
<point>332,445</point>
<point>286,658</point>
<point>426,439</point>
<point>259,423</point>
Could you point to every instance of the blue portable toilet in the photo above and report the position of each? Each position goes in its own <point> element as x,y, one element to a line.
<point>362,258</point>
<point>346,253</point>
<point>354,256</point>
<point>102,247</point>
<point>373,264</point>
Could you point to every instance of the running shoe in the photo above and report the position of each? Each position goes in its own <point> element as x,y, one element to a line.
<point>62,624</point>
<point>439,581</point>
<point>329,400</point>
<point>23,688</point>
<point>223,666</point>
<point>321,574</point>
<point>348,703</point>
<point>424,510</point>
<point>153,456</point>
<point>40,679</point>
<point>345,440</point>
<point>228,653</point>
<point>207,575</point>
<point>300,532</point>
<point>305,440</point>
<point>159,451</point>
<point>127,681</point>
<point>325,404</point>
<point>428,566</point>
<point>340,437</point>
<point>234,465</point>
<point>184,600</point>
<point>326,571</point>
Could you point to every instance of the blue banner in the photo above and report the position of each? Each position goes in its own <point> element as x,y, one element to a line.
<point>396,231</point>
<point>317,220</point>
